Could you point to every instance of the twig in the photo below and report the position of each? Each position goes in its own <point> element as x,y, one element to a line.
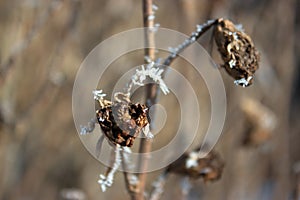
<point>201,29</point>
<point>146,144</point>
<point>106,180</point>
<point>158,186</point>
<point>152,91</point>
<point>185,188</point>
<point>131,180</point>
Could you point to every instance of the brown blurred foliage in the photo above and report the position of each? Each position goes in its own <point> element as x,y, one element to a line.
<point>42,46</point>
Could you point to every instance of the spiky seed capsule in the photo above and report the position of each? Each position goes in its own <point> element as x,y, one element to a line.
<point>237,51</point>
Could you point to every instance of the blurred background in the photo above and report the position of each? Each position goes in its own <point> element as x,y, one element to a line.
<point>42,46</point>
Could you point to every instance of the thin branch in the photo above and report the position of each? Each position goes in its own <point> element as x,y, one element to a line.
<point>201,29</point>
<point>185,188</point>
<point>131,181</point>
<point>146,144</point>
<point>106,180</point>
<point>158,186</point>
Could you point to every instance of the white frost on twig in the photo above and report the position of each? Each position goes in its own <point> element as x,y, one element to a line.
<point>193,37</point>
<point>192,160</point>
<point>158,185</point>
<point>147,132</point>
<point>185,186</point>
<point>98,95</point>
<point>243,82</point>
<point>151,17</point>
<point>154,28</point>
<point>126,156</point>
<point>107,181</point>
<point>152,72</point>
<point>89,128</point>
<point>133,179</point>
<point>154,7</point>
<point>147,59</point>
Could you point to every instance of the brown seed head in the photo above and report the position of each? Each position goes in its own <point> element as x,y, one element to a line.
<point>209,168</point>
<point>237,51</point>
<point>122,122</point>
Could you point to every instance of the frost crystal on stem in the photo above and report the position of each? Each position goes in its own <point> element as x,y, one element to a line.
<point>192,160</point>
<point>98,95</point>
<point>243,82</point>
<point>200,29</point>
<point>89,128</point>
<point>185,186</point>
<point>151,71</point>
<point>151,17</point>
<point>147,133</point>
<point>133,179</point>
<point>154,28</point>
<point>158,186</point>
<point>154,7</point>
<point>147,59</point>
<point>107,181</point>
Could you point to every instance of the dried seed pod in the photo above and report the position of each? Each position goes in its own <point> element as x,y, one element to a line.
<point>122,121</point>
<point>260,122</point>
<point>237,51</point>
<point>209,168</point>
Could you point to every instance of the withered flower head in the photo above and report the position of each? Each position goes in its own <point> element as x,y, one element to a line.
<point>209,168</point>
<point>237,51</point>
<point>122,121</point>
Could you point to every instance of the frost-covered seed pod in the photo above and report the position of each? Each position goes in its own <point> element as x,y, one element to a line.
<point>237,51</point>
<point>122,122</point>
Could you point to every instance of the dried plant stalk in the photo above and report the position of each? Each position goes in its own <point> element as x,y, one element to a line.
<point>146,144</point>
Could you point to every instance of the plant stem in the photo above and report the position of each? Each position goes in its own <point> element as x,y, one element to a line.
<point>151,89</point>
<point>146,144</point>
<point>132,190</point>
<point>193,38</point>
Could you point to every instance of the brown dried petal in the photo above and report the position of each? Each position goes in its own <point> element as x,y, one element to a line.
<point>237,51</point>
